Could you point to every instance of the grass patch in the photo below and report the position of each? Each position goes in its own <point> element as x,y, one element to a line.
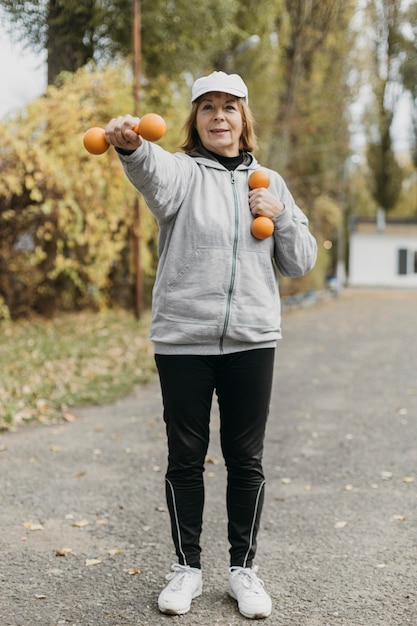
<point>49,366</point>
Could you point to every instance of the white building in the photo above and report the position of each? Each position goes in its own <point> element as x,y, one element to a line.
<point>383,253</point>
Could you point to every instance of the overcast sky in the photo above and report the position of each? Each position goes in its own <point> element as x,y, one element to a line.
<point>22,75</point>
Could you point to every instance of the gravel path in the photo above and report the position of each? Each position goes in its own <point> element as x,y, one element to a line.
<point>85,537</point>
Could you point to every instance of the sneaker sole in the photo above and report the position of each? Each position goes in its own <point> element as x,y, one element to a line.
<point>181,611</point>
<point>262,615</point>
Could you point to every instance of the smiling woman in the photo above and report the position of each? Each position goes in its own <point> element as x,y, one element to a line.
<point>215,319</point>
<point>22,75</point>
<point>219,123</point>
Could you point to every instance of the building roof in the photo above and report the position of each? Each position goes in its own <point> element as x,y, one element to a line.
<point>406,225</point>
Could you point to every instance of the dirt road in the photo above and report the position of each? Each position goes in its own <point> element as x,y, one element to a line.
<point>85,536</point>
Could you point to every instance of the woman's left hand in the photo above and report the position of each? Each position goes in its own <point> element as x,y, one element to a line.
<point>263,202</point>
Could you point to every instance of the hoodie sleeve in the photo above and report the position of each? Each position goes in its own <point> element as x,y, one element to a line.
<point>160,176</point>
<point>295,247</point>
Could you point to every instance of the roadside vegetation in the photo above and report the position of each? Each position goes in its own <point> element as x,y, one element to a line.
<point>51,366</point>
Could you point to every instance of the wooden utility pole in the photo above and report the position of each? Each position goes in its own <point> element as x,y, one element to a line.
<point>136,41</point>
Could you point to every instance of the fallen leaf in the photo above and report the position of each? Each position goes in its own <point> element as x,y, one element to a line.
<point>132,571</point>
<point>102,522</point>
<point>386,475</point>
<point>348,487</point>
<point>212,460</point>
<point>40,596</point>
<point>79,474</point>
<point>69,417</point>
<point>81,523</point>
<point>33,526</point>
<point>90,562</point>
<point>408,479</point>
<point>399,518</point>
<point>286,481</point>
<point>115,551</point>
<point>63,552</point>
<point>340,524</point>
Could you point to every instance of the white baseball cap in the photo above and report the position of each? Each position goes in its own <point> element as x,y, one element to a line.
<point>219,81</point>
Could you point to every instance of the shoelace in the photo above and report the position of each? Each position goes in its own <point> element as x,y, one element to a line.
<point>178,576</point>
<point>249,577</point>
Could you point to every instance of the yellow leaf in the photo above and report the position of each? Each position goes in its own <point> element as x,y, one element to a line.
<point>132,571</point>
<point>33,526</point>
<point>81,523</point>
<point>90,562</point>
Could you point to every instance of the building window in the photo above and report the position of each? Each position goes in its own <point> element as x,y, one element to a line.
<point>402,261</point>
<point>407,262</point>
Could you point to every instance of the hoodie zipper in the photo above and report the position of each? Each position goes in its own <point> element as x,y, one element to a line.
<point>234,262</point>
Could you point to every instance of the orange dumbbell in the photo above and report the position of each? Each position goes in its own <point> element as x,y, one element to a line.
<point>262,226</point>
<point>151,127</point>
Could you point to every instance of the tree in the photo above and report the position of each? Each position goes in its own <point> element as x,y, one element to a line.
<point>310,32</point>
<point>386,173</point>
<point>408,70</point>
<point>177,36</point>
<point>64,29</point>
<point>65,216</point>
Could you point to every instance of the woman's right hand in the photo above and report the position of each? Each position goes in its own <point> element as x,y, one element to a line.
<point>119,132</point>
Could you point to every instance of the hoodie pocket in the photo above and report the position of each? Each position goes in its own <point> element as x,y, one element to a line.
<point>197,292</point>
<point>255,303</point>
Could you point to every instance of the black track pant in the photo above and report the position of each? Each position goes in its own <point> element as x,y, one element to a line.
<point>242,382</point>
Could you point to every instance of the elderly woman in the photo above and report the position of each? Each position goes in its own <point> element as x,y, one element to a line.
<point>215,320</point>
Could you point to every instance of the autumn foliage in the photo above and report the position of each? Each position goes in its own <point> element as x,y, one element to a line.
<point>66,218</point>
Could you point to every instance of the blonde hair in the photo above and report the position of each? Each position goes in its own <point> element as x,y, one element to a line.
<point>248,141</point>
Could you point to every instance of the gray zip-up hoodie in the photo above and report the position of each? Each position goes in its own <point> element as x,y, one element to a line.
<point>216,289</point>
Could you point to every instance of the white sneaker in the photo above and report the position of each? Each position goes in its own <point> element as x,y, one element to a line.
<point>245,587</point>
<point>185,584</point>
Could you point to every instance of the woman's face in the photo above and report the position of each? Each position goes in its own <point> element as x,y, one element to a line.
<point>219,123</point>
